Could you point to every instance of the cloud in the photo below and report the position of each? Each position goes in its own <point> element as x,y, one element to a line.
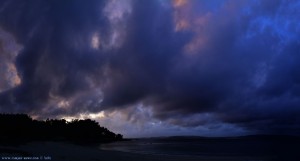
<point>191,64</point>
<point>9,49</point>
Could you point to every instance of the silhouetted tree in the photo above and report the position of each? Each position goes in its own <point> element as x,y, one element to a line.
<point>21,127</point>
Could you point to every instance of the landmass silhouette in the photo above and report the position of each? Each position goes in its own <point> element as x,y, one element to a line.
<point>17,128</point>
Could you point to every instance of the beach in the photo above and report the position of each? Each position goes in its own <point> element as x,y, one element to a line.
<point>60,151</point>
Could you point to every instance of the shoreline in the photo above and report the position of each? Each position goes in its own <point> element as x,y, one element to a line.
<point>61,151</point>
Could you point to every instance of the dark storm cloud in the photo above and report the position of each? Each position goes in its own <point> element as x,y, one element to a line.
<point>144,62</point>
<point>55,36</point>
<point>227,61</point>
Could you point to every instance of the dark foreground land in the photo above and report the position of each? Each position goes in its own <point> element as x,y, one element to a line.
<point>22,138</point>
<point>253,148</point>
<point>20,128</point>
<point>58,151</point>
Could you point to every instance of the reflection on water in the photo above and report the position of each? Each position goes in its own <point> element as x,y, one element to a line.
<point>196,146</point>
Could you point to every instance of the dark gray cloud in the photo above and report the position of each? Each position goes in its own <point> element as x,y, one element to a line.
<point>192,63</point>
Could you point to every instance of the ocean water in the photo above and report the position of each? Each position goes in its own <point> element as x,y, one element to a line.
<point>265,146</point>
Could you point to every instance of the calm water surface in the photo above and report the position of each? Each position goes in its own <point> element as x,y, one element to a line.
<point>196,146</point>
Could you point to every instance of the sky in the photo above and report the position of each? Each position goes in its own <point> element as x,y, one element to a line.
<point>147,68</point>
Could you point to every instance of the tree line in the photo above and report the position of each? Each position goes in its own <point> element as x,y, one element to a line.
<point>21,127</point>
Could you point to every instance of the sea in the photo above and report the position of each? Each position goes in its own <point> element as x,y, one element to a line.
<point>286,147</point>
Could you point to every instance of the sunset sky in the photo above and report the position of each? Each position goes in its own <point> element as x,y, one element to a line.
<point>154,67</point>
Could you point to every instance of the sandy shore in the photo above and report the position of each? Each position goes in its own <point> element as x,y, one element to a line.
<point>56,151</point>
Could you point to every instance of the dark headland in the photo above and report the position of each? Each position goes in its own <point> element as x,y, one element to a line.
<point>21,128</point>
<point>23,138</point>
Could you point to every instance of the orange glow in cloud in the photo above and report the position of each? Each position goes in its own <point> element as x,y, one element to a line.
<point>194,45</point>
<point>9,49</point>
<point>181,14</point>
<point>12,75</point>
<point>186,19</point>
<point>9,76</point>
<point>181,25</point>
<point>179,3</point>
<point>201,38</point>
